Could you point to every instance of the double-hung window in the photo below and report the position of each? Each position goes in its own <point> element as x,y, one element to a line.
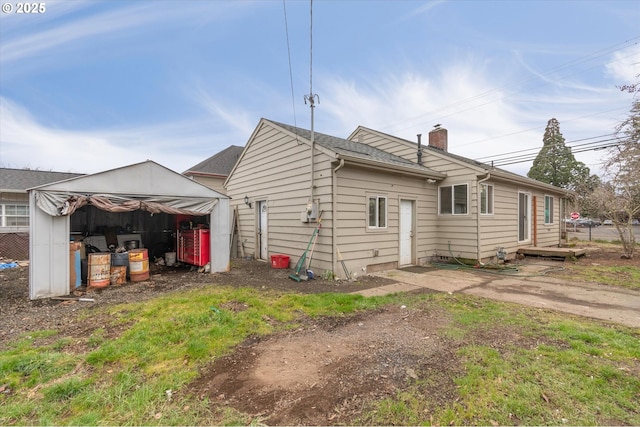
<point>548,209</point>
<point>377,212</point>
<point>454,199</point>
<point>486,199</point>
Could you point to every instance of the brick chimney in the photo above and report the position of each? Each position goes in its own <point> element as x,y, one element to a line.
<point>438,138</point>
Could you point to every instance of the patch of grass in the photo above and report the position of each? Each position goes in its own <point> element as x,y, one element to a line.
<point>575,372</point>
<point>125,380</point>
<point>625,276</point>
<point>517,365</point>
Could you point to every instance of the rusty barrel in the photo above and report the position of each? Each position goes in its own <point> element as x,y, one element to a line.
<point>99,270</point>
<point>139,265</point>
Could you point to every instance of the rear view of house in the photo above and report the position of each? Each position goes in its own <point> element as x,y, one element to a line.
<point>384,202</point>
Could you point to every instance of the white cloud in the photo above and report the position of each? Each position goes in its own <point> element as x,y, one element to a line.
<point>624,66</point>
<point>26,143</point>
<point>484,116</point>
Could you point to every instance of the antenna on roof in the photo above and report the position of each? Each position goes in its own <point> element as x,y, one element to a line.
<point>311,97</point>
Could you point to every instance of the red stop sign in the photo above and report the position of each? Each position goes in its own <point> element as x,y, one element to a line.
<point>575,215</point>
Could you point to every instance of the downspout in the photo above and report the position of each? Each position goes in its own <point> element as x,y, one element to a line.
<point>334,217</point>
<point>478,203</point>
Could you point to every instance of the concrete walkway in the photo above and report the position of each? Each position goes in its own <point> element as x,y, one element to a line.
<point>604,302</point>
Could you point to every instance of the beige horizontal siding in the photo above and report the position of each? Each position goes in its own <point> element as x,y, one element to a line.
<point>275,167</point>
<point>356,241</point>
<point>213,183</point>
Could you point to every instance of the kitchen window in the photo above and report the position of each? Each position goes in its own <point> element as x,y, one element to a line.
<point>454,199</point>
<point>377,212</point>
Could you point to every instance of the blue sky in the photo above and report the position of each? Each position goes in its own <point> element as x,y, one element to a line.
<point>92,85</point>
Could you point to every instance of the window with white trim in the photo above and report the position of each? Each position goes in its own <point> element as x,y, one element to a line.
<point>377,212</point>
<point>548,209</point>
<point>14,215</point>
<point>486,199</point>
<point>454,199</point>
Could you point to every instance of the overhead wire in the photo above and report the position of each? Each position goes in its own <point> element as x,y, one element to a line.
<point>293,102</point>
<point>532,153</point>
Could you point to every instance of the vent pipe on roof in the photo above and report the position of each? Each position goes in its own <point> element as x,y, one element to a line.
<point>420,149</point>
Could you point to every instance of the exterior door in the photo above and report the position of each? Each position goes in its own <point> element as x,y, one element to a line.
<point>524,223</point>
<point>406,232</point>
<point>262,230</point>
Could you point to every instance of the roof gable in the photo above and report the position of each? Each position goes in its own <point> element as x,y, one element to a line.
<point>145,178</point>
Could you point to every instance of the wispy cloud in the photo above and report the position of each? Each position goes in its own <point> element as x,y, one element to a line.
<point>88,22</point>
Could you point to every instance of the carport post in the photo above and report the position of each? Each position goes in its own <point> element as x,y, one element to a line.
<point>219,236</point>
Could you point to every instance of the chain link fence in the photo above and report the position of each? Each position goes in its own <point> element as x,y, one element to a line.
<point>14,246</point>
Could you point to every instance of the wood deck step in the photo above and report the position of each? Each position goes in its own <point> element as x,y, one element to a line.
<point>552,252</point>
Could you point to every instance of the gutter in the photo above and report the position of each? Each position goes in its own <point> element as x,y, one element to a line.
<point>511,178</point>
<point>478,204</point>
<point>389,167</point>
<point>334,217</point>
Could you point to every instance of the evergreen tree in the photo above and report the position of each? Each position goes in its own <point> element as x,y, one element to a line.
<point>555,164</point>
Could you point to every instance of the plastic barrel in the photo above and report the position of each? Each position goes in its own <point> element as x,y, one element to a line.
<point>119,259</point>
<point>139,265</point>
<point>99,273</point>
<point>170,258</point>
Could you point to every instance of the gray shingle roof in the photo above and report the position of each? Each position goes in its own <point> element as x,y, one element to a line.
<point>22,179</point>
<point>486,166</point>
<point>219,164</point>
<point>353,148</point>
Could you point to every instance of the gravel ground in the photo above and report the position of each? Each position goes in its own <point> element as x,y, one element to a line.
<point>19,314</point>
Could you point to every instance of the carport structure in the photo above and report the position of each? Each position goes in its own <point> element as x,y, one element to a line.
<point>146,186</point>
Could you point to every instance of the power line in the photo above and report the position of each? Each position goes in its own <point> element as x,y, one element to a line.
<point>538,149</point>
<point>579,148</point>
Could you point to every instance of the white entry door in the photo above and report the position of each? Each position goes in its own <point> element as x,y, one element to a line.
<point>406,232</point>
<point>262,229</point>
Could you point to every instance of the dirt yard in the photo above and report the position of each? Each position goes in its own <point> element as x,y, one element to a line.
<point>323,373</point>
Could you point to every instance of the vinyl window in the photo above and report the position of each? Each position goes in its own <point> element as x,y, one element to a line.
<point>454,199</point>
<point>486,199</point>
<point>548,209</point>
<point>377,212</point>
<point>14,215</point>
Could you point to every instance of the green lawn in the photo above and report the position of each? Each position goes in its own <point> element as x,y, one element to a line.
<point>132,368</point>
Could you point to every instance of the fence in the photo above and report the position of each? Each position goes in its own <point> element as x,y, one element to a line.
<point>14,246</point>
